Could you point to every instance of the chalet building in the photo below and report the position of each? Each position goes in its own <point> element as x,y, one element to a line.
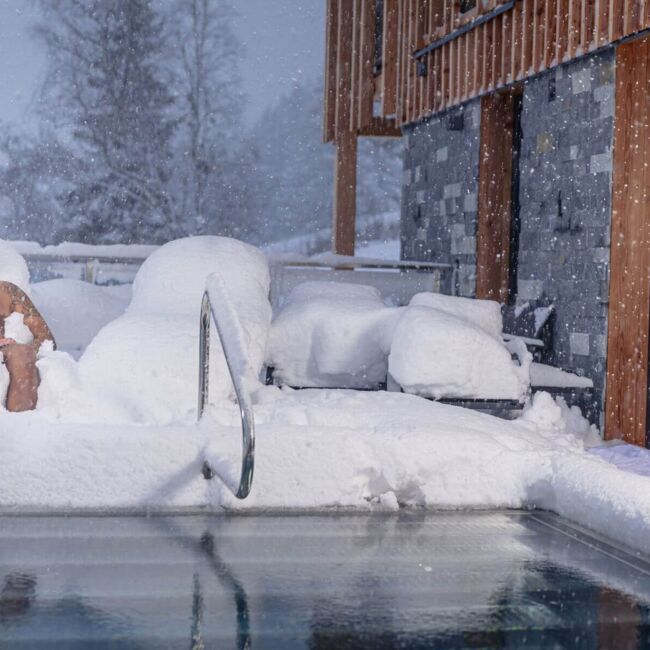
<point>526,164</point>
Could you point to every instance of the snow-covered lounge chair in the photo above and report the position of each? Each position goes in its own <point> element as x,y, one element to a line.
<point>330,335</point>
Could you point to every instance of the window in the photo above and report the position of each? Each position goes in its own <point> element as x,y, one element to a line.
<point>467,5</point>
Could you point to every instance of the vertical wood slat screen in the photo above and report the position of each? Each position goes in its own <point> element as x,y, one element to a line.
<point>531,37</point>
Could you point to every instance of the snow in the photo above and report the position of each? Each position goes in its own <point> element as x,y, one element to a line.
<point>627,457</point>
<point>324,449</point>
<point>76,249</point>
<point>16,329</point>
<point>117,429</point>
<point>13,267</point>
<point>76,310</point>
<point>485,314</point>
<point>552,377</point>
<point>332,334</point>
<point>436,354</point>
<point>143,366</point>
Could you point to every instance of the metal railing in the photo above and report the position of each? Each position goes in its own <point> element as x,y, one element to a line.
<point>226,320</point>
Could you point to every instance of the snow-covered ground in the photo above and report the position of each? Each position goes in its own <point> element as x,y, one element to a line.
<point>117,428</point>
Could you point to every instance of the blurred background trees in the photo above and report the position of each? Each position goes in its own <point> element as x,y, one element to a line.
<point>142,137</point>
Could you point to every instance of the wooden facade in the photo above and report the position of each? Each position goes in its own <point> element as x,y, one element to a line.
<point>434,56</point>
<point>391,63</point>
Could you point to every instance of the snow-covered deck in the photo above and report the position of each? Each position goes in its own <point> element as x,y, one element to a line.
<point>328,449</point>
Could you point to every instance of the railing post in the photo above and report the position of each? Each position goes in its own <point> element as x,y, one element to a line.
<point>243,398</point>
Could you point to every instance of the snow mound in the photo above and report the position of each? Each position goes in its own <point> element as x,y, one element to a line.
<point>16,329</point>
<point>436,354</point>
<point>485,314</point>
<point>76,310</point>
<point>13,267</point>
<point>143,366</point>
<point>331,334</point>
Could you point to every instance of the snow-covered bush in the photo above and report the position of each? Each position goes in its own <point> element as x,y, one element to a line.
<point>331,334</point>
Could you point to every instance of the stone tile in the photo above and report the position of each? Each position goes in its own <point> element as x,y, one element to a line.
<point>579,344</point>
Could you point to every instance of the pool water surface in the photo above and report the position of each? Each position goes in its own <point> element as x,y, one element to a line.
<point>410,580</point>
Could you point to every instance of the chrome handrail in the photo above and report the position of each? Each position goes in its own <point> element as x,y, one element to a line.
<point>243,398</point>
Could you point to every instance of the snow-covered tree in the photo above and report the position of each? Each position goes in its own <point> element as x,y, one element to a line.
<point>34,172</point>
<point>204,64</point>
<point>106,89</point>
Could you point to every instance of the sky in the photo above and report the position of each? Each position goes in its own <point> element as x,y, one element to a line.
<point>283,43</point>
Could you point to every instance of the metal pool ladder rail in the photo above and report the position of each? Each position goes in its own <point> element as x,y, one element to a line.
<point>228,329</point>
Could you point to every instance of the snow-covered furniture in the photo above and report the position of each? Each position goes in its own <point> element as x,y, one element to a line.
<point>331,335</point>
<point>446,347</point>
<point>335,335</point>
<point>451,349</point>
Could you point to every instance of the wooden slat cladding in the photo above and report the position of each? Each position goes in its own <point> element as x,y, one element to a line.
<point>388,78</point>
<point>495,197</point>
<point>529,37</point>
<point>629,299</point>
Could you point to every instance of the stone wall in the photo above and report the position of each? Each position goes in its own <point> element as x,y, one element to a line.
<point>565,203</point>
<point>565,199</point>
<point>439,191</point>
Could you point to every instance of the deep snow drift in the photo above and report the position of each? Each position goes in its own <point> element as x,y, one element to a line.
<point>143,366</point>
<point>117,429</point>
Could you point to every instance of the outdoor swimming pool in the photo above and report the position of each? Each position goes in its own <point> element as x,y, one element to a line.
<point>410,580</point>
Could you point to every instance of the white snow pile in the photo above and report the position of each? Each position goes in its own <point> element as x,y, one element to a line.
<point>13,267</point>
<point>628,457</point>
<point>76,310</point>
<point>143,366</point>
<point>436,354</point>
<point>332,334</point>
<point>16,329</point>
<point>484,314</point>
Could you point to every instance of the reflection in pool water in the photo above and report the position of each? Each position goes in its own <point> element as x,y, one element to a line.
<point>413,580</point>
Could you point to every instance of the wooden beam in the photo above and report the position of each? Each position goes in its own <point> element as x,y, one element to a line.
<point>331,37</point>
<point>495,197</point>
<point>381,128</point>
<point>345,194</point>
<point>629,293</point>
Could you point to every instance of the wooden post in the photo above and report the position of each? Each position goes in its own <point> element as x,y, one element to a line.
<point>345,194</point>
<point>629,290</point>
<point>495,197</point>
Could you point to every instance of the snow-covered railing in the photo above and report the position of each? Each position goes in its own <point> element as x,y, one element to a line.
<point>85,260</point>
<point>230,337</point>
<point>397,280</point>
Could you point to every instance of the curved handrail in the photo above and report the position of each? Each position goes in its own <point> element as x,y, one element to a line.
<point>228,319</point>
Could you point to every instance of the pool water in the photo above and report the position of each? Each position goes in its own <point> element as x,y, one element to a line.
<point>410,580</point>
